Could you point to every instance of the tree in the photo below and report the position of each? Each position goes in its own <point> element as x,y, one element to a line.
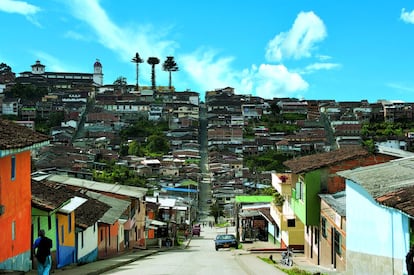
<point>153,61</point>
<point>170,66</point>
<point>6,74</point>
<point>137,59</point>
<point>121,83</point>
<point>158,144</point>
<point>26,92</point>
<point>216,210</point>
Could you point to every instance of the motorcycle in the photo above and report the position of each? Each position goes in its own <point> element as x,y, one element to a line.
<point>287,257</point>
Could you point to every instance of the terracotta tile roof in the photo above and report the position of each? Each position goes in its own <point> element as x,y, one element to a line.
<point>14,136</point>
<point>402,199</point>
<point>90,212</point>
<point>48,198</point>
<point>316,161</point>
<point>49,195</point>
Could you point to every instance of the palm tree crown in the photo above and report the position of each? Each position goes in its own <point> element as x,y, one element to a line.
<point>169,66</point>
<point>153,61</point>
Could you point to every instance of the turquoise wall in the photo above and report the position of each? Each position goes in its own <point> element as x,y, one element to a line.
<point>17,263</point>
<point>372,228</point>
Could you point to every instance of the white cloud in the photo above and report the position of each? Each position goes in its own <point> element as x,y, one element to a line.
<point>20,7</point>
<point>55,64</point>
<point>322,57</point>
<point>124,41</point>
<point>276,81</point>
<point>401,87</point>
<point>320,66</point>
<point>269,81</point>
<point>75,35</point>
<point>299,41</point>
<point>407,17</point>
<point>208,71</point>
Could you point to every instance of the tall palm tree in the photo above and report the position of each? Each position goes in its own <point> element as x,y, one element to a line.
<point>153,61</point>
<point>137,59</point>
<point>169,66</point>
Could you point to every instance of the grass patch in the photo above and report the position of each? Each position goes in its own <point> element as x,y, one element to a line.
<point>223,224</point>
<point>290,271</point>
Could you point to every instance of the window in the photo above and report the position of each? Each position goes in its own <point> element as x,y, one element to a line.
<point>62,231</point>
<point>337,242</point>
<point>13,167</point>
<point>316,235</point>
<point>323,225</point>
<point>82,242</point>
<point>291,222</point>
<point>109,234</point>
<point>49,222</point>
<point>13,230</point>
<point>69,223</point>
<point>299,190</point>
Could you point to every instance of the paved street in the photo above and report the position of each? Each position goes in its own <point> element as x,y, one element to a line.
<point>248,260</point>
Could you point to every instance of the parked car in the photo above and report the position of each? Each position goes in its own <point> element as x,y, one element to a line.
<point>226,241</point>
<point>196,230</point>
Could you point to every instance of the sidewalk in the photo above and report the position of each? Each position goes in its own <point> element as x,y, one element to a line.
<point>260,249</point>
<point>105,265</point>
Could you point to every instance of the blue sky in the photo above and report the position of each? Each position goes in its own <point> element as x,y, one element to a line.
<point>341,50</point>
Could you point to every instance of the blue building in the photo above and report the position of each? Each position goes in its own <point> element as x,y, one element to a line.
<point>379,214</point>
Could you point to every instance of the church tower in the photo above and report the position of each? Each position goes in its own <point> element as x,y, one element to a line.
<point>97,73</point>
<point>38,68</point>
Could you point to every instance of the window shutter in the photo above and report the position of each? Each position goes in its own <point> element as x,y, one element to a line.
<point>298,191</point>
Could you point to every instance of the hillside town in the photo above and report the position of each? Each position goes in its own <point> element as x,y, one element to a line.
<point>106,168</point>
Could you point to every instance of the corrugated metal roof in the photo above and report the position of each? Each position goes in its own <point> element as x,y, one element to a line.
<point>118,207</point>
<point>381,179</point>
<point>131,191</point>
<point>72,205</point>
<point>336,201</point>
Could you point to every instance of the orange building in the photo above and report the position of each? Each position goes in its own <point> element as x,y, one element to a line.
<point>16,144</point>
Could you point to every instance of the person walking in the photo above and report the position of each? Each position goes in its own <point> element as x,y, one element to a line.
<point>42,246</point>
<point>409,261</point>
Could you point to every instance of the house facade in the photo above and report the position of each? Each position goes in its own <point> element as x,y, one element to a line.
<point>46,201</point>
<point>332,239</point>
<point>289,229</point>
<point>87,218</point>
<point>379,217</point>
<point>316,174</point>
<point>66,232</point>
<point>16,143</point>
<point>132,215</point>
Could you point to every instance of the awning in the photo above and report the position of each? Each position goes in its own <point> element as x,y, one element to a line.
<point>158,223</point>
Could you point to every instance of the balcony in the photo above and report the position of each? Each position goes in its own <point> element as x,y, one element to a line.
<point>282,182</point>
